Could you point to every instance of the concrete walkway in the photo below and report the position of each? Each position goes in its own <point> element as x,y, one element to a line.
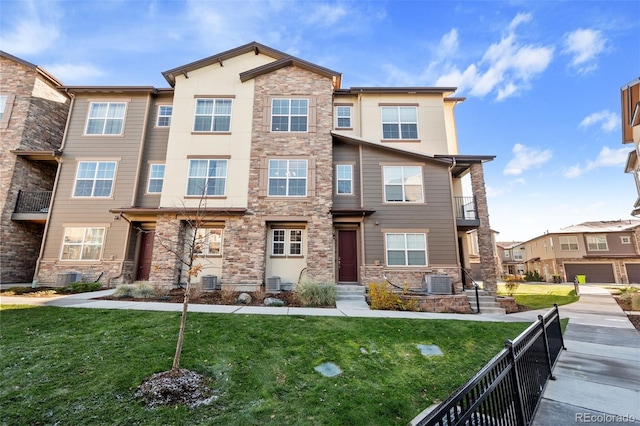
<point>597,377</point>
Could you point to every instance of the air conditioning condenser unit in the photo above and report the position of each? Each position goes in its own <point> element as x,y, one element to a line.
<point>439,284</point>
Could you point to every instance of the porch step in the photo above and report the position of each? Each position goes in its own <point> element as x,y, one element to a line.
<point>488,304</point>
<point>350,292</point>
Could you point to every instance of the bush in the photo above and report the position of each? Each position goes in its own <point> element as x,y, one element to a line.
<point>635,302</point>
<point>143,290</point>
<point>124,290</point>
<point>383,297</point>
<point>511,287</point>
<point>313,293</point>
<point>16,291</point>
<point>533,276</point>
<point>79,287</point>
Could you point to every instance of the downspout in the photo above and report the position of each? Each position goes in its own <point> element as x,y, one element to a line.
<point>34,282</point>
<point>134,194</point>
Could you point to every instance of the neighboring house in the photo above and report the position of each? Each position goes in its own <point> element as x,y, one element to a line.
<point>630,96</point>
<point>298,177</point>
<point>32,120</point>
<point>511,257</point>
<point>605,252</point>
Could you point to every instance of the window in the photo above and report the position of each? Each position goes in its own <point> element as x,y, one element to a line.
<point>286,242</point>
<point>403,184</point>
<point>507,255</point>
<point>517,255</point>
<point>569,243</point>
<point>399,122</point>
<point>289,115</point>
<point>82,243</point>
<point>164,115</point>
<point>343,117</point>
<point>213,115</point>
<point>207,177</point>
<point>625,240</point>
<point>597,242</point>
<point>94,179</point>
<point>105,118</point>
<point>3,105</point>
<point>156,178</point>
<point>287,178</point>
<point>406,249</point>
<point>344,179</point>
<point>208,242</point>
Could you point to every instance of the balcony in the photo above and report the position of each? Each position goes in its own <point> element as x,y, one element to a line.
<point>32,206</point>
<point>466,213</point>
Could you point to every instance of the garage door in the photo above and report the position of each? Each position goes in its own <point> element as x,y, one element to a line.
<point>633,272</point>
<point>595,272</point>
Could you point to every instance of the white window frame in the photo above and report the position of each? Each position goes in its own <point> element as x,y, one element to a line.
<point>507,255</point>
<point>597,243</point>
<point>407,249</point>
<point>403,184</point>
<point>209,242</point>
<point>569,243</point>
<point>286,115</point>
<point>107,118</point>
<point>155,177</point>
<point>200,191</point>
<point>290,176</point>
<point>165,112</point>
<point>85,243</point>
<point>625,240</point>
<point>517,255</point>
<point>344,173</point>
<point>3,105</point>
<point>399,121</point>
<point>219,115</point>
<point>98,176</point>
<point>343,113</point>
<point>289,242</point>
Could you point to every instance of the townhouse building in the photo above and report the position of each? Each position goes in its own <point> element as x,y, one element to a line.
<point>510,258</point>
<point>600,252</point>
<point>33,114</point>
<point>630,113</point>
<point>295,175</point>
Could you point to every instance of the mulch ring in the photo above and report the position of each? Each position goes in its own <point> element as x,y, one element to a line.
<point>625,304</point>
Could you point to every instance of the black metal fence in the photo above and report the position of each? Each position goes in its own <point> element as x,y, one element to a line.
<point>466,208</point>
<point>509,388</point>
<point>33,202</point>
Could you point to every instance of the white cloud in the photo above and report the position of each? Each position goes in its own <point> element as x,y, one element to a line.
<point>75,73</point>
<point>608,120</point>
<point>35,32</point>
<point>606,158</point>
<point>525,158</point>
<point>573,171</point>
<point>506,68</point>
<point>584,46</point>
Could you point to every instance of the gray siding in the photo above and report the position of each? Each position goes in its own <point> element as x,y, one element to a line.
<point>69,211</point>
<point>614,242</point>
<point>436,214</point>
<point>346,154</point>
<point>155,151</point>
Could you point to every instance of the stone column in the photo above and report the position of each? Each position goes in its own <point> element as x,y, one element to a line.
<point>168,245</point>
<point>485,235</point>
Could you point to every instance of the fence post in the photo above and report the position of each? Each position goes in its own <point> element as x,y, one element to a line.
<point>475,285</point>
<point>557,312</point>
<point>515,383</point>
<point>547,353</point>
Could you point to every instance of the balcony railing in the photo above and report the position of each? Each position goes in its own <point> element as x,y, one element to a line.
<point>466,208</point>
<point>33,202</point>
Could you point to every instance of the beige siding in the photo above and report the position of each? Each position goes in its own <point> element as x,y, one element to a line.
<point>436,214</point>
<point>124,149</point>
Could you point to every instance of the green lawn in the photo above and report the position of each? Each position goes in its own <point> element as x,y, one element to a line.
<point>540,296</point>
<point>83,366</point>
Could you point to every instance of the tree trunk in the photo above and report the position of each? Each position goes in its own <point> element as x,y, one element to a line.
<point>183,320</point>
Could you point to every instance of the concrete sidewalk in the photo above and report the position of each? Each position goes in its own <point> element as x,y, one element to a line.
<point>597,377</point>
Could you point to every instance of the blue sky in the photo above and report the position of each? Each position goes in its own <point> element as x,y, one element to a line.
<point>542,79</point>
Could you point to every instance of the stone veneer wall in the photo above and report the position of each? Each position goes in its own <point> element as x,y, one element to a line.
<point>485,235</point>
<point>49,270</point>
<point>168,246</point>
<point>36,123</point>
<point>373,274</point>
<point>245,239</point>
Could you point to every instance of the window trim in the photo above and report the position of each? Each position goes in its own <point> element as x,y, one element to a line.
<point>338,117</point>
<point>158,116</point>
<point>423,232</point>
<point>226,177</point>
<point>204,239</point>
<point>290,115</point>
<point>108,102</point>
<point>83,243</point>
<point>8,108</point>
<point>625,239</point>
<point>593,243</point>
<point>150,178</point>
<point>338,180</point>
<point>287,178</point>
<point>402,166</point>
<point>399,123</point>
<point>569,240</point>
<point>213,115</point>
<point>113,180</point>
<point>287,242</point>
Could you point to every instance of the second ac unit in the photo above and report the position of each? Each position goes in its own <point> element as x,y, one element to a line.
<point>209,282</point>
<point>439,284</point>
<point>66,278</point>
<point>272,284</point>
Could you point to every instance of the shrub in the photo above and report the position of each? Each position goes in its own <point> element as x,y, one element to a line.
<point>81,287</point>
<point>635,302</point>
<point>383,297</point>
<point>533,276</point>
<point>124,290</point>
<point>313,293</point>
<point>161,290</point>
<point>511,287</point>
<point>143,290</point>
<point>16,291</point>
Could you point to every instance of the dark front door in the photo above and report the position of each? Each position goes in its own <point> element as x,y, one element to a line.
<point>146,252</point>
<point>348,256</point>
